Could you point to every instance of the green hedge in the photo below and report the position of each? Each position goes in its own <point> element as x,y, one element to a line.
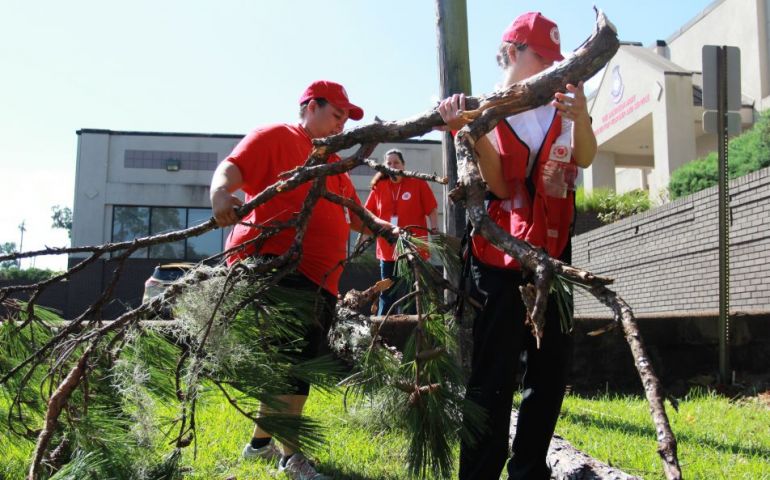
<point>28,274</point>
<point>746,153</point>
<point>610,206</point>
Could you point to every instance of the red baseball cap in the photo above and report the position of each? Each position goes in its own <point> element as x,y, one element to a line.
<point>537,32</point>
<point>335,94</point>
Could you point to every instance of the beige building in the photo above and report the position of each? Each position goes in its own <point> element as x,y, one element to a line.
<point>647,110</point>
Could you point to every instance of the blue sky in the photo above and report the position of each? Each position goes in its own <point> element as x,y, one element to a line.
<point>229,65</point>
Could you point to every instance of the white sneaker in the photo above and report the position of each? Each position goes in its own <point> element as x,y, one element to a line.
<point>269,452</point>
<point>300,468</point>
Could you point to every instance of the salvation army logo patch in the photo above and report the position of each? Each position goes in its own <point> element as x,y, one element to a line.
<point>406,196</point>
<point>555,35</point>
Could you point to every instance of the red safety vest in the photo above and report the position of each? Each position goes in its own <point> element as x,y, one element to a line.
<point>540,208</point>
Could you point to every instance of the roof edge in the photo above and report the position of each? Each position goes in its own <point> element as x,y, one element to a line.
<point>104,131</point>
<point>709,8</point>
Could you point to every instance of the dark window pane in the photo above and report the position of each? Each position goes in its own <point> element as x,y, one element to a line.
<point>167,220</point>
<point>205,245</point>
<point>129,223</point>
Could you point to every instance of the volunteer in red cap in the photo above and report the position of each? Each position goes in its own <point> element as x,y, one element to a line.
<point>256,163</point>
<point>529,162</point>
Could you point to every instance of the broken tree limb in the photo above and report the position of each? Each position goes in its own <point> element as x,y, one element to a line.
<point>485,112</point>
<point>652,387</point>
<point>569,463</point>
<point>55,405</point>
<point>405,173</point>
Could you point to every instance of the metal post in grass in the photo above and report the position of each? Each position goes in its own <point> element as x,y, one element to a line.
<point>721,104</point>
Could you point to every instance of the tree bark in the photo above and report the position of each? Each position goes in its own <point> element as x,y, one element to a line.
<point>569,463</point>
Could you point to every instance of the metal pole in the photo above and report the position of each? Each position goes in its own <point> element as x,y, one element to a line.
<point>22,229</point>
<point>724,225</point>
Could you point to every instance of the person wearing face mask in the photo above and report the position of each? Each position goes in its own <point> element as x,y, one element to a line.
<point>529,163</point>
<point>256,163</point>
<point>405,202</point>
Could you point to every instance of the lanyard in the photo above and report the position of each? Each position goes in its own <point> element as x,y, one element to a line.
<point>395,197</point>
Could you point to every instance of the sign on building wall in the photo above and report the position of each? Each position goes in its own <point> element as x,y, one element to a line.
<point>622,102</point>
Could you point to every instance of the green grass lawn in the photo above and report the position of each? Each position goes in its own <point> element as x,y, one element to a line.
<point>718,438</point>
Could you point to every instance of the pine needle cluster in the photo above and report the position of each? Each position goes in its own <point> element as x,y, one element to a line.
<point>419,390</point>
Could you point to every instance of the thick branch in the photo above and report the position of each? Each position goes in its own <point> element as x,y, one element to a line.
<point>55,405</point>
<point>365,215</point>
<point>569,463</point>
<point>406,173</point>
<point>653,390</point>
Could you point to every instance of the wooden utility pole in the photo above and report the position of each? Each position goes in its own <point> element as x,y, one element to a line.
<point>455,77</point>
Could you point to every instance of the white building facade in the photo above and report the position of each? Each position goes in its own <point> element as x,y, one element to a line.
<point>647,110</point>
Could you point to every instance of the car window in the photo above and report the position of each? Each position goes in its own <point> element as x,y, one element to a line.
<point>168,274</point>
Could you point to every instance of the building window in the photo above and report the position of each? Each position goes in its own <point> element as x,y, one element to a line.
<point>206,245</point>
<point>164,220</point>
<point>130,222</point>
<point>160,160</point>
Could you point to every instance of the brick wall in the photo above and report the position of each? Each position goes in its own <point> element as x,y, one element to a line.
<point>665,261</point>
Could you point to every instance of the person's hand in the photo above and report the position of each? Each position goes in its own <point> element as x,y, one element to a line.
<point>573,107</point>
<point>451,109</point>
<point>223,205</point>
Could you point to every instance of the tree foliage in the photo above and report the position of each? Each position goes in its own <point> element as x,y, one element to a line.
<point>746,153</point>
<point>8,248</point>
<point>31,275</point>
<point>62,218</point>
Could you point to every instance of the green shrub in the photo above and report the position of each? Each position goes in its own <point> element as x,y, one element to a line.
<point>33,275</point>
<point>614,207</point>
<point>746,153</point>
<point>609,206</point>
<point>590,203</point>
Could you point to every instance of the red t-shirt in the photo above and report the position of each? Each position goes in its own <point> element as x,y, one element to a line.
<point>261,156</point>
<point>411,200</point>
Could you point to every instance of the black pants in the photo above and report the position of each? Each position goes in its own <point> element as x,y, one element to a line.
<point>316,327</point>
<point>499,336</point>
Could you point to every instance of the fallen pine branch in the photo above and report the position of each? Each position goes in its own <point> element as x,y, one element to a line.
<point>484,112</point>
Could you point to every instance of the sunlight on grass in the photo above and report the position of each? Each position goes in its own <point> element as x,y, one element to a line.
<point>718,438</point>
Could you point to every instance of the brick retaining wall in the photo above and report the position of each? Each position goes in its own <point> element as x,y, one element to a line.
<point>665,261</point>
